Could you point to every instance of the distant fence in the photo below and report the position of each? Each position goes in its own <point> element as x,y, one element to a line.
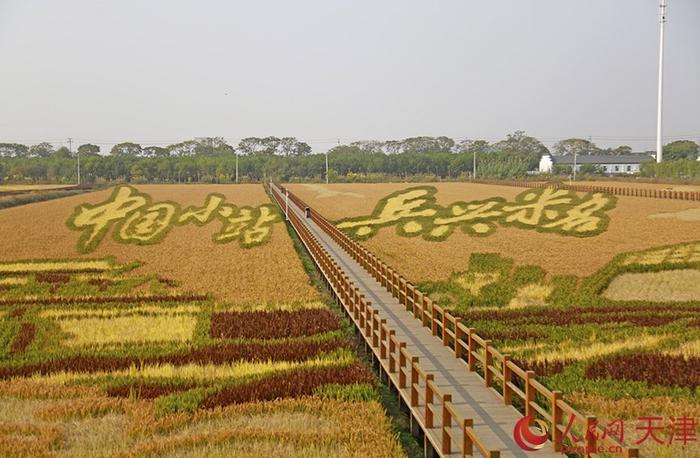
<point>516,386</point>
<point>615,190</point>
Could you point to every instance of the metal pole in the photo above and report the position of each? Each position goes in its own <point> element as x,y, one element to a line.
<point>326,167</point>
<point>574,172</point>
<point>236,166</point>
<point>474,167</point>
<point>286,204</point>
<point>659,104</point>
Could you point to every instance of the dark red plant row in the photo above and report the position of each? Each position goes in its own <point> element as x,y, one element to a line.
<point>270,325</point>
<point>640,315</point>
<point>292,384</point>
<point>23,338</point>
<point>657,369</point>
<point>105,300</point>
<point>17,312</point>
<point>287,351</point>
<point>52,277</point>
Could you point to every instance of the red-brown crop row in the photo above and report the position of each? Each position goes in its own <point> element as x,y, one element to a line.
<point>23,338</point>
<point>274,324</point>
<point>288,351</point>
<point>665,370</point>
<point>651,315</point>
<point>292,384</point>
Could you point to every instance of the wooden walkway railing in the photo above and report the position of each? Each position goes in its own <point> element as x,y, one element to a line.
<point>516,386</point>
<point>615,190</point>
<point>427,400</point>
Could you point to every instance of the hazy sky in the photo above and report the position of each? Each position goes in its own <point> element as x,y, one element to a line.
<point>164,71</point>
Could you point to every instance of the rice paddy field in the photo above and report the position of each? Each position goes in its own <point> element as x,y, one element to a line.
<point>598,295</point>
<point>173,321</point>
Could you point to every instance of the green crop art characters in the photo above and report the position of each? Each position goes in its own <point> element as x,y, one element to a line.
<point>414,212</point>
<point>139,220</point>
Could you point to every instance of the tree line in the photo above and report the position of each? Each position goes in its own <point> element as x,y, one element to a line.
<point>213,160</point>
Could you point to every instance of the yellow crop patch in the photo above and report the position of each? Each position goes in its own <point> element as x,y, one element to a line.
<point>14,281</point>
<point>414,211</point>
<point>585,350</point>
<point>56,266</point>
<point>138,220</point>
<point>116,312</point>
<point>474,281</point>
<point>290,307</point>
<point>131,329</point>
<point>534,294</point>
<point>203,373</point>
<point>680,254</point>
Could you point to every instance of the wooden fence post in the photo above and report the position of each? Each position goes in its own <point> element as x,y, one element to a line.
<point>471,346</point>
<point>467,443</point>
<point>507,375</point>
<point>446,425</point>
<point>428,401</point>
<point>402,365</point>
<point>556,420</point>
<point>488,362</point>
<point>414,381</point>
<point>529,394</point>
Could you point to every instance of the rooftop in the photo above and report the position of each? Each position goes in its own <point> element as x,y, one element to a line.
<point>602,159</point>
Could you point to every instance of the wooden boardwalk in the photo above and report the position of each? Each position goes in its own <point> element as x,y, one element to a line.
<point>493,420</point>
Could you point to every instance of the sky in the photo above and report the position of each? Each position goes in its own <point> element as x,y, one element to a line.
<point>158,72</point>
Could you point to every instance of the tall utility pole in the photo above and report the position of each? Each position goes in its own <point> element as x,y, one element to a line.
<point>70,149</point>
<point>236,166</point>
<point>659,103</point>
<point>474,167</point>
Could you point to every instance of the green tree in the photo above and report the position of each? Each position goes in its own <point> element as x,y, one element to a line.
<point>578,146</point>
<point>88,149</point>
<point>680,149</point>
<point>13,150</point>
<point>41,150</point>
<point>126,149</point>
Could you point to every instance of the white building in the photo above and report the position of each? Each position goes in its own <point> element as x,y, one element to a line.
<point>610,165</point>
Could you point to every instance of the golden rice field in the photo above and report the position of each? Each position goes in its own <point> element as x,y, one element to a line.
<point>272,273</point>
<point>173,321</point>
<point>632,223</point>
<point>32,187</point>
<point>610,317</point>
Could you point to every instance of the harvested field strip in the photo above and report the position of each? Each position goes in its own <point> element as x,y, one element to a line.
<point>653,368</point>
<point>270,325</point>
<point>23,267</point>
<point>117,330</point>
<point>23,338</point>
<point>119,312</point>
<point>293,351</point>
<point>105,299</point>
<point>202,373</point>
<point>668,286</point>
<point>293,384</point>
